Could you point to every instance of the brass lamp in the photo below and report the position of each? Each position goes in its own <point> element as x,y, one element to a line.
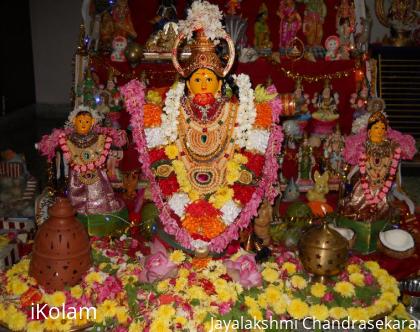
<point>323,251</point>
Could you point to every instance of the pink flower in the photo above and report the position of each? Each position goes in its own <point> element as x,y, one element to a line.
<point>368,279</point>
<point>224,307</point>
<point>244,271</point>
<point>102,159</point>
<point>107,145</point>
<point>77,168</point>
<point>157,265</point>
<point>388,184</point>
<point>381,195</point>
<point>385,189</point>
<point>121,329</point>
<point>362,169</point>
<point>394,163</point>
<point>328,297</point>
<point>67,155</point>
<point>365,185</point>
<point>83,168</point>
<point>65,148</point>
<point>90,166</point>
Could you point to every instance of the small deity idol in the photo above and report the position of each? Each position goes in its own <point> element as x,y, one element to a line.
<point>359,101</point>
<point>302,102</point>
<point>375,160</point>
<point>313,21</point>
<point>85,147</point>
<point>345,24</point>
<point>262,40</point>
<point>333,154</point>
<point>290,22</point>
<point>332,45</point>
<point>122,20</point>
<point>326,104</point>
<point>306,162</point>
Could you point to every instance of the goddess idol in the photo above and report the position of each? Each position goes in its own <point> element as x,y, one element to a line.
<point>209,150</point>
<point>85,146</point>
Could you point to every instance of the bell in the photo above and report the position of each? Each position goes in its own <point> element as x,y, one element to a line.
<point>61,252</point>
<point>323,251</point>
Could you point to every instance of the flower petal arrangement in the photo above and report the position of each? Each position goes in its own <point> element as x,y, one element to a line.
<point>169,291</point>
<point>226,190</point>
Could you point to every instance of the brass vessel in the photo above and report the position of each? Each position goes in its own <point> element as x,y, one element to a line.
<point>323,251</point>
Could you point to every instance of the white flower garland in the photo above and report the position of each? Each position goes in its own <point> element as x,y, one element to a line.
<point>203,15</point>
<point>178,202</point>
<point>258,140</point>
<point>246,110</point>
<point>230,211</point>
<point>167,132</point>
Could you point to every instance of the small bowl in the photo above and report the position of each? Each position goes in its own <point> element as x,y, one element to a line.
<point>411,296</point>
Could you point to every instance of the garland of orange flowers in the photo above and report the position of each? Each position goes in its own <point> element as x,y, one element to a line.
<point>152,115</point>
<point>206,226</point>
<point>264,117</point>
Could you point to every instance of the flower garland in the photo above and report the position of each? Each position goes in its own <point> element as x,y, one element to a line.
<point>134,97</point>
<point>89,166</point>
<point>203,15</point>
<point>168,291</point>
<point>381,194</point>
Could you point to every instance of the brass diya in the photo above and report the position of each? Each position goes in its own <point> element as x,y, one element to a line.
<point>323,251</point>
<point>61,251</point>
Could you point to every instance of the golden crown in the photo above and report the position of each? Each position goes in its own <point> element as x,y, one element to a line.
<point>203,55</point>
<point>378,117</point>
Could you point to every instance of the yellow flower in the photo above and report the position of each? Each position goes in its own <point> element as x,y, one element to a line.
<point>357,314</point>
<point>17,321</point>
<point>121,314</point>
<point>357,279</point>
<point>319,312</point>
<point>226,294</point>
<point>389,298</point>
<point>160,325</point>
<point>279,307</point>
<point>372,311</point>
<point>93,277</point>
<point>289,267</point>
<point>344,288</point>
<point>338,313</point>
<point>171,151</point>
<point>181,284</point>
<point>270,275</point>
<point>109,308</point>
<point>76,292</point>
<point>232,172</point>
<point>318,289</point>
<point>183,273</point>
<point>165,312</point>
<point>262,300</point>
<point>51,324</point>
<point>255,313</point>
<point>196,292</point>
<point>240,158</point>
<point>298,309</point>
<point>251,302</point>
<point>353,268</point>
<point>136,327</point>
<point>16,286</point>
<point>2,312</point>
<point>193,195</point>
<point>382,306</point>
<point>181,176</point>
<point>221,196</point>
<point>238,288</point>
<point>372,266</point>
<point>273,295</point>
<point>163,286</point>
<point>181,320</point>
<point>64,325</point>
<point>153,97</point>
<point>34,326</point>
<point>220,284</point>
<point>298,282</point>
<point>177,256</point>
<point>55,299</point>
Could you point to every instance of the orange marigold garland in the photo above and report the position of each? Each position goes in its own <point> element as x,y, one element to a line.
<point>203,219</point>
<point>264,117</point>
<point>152,115</point>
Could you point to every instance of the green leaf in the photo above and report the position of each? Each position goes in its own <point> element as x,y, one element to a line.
<point>195,302</point>
<point>131,291</point>
<point>99,258</point>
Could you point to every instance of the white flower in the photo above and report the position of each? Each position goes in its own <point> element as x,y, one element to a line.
<point>154,136</point>
<point>170,113</point>
<point>246,110</point>
<point>198,244</point>
<point>230,211</point>
<point>177,202</point>
<point>360,123</point>
<point>203,15</point>
<point>258,140</point>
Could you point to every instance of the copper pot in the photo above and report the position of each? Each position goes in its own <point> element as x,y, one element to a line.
<point>61,251</point>
<point>323,251</point>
